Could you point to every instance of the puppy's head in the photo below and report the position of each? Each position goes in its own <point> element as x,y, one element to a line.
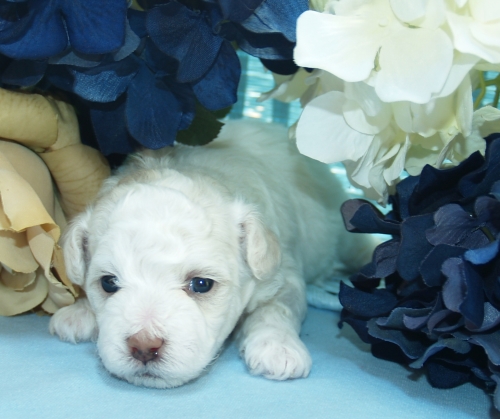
<point>168,275</point>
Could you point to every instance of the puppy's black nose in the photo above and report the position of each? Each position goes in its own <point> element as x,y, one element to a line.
<point>144,347</point>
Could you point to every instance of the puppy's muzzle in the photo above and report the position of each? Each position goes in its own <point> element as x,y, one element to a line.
<point>143,347</point>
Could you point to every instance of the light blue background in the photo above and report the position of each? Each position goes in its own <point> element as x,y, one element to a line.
<point>42,377</point>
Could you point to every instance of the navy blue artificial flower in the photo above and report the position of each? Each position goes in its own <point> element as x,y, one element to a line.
<point>143,76</point>
<point>38,29</point>
<point>431,295</point>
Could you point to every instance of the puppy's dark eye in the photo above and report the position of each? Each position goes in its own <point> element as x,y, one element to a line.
<point>201,285</point>
<point>109,283</point>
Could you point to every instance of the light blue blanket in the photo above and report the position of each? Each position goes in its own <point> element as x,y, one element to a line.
<point>42,377</point>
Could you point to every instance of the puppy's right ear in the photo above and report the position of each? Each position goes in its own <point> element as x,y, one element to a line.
<point>74,244</point>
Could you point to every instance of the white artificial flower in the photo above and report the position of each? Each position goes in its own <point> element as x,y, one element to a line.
<point>378,140</point>
<point>403,92</point>
<point>476,29</point>
<point>410,62</point>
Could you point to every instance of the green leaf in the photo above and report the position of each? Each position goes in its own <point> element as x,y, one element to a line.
<point>204,128</point>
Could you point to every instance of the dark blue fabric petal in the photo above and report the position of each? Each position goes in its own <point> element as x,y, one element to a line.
<point>383,261</point>
<point>456,227</point>
<point>411,347</point>
<point>283,67</point>
<point>72,58</point>
<point>360,216</point>
<point>396,320</point>
<point>104,83</point>
<point>462,292</point>
<point>237,11</point>
<point>24,72</point>
<point>105,18</point>
<point>483,255</point>
<point>269,46</point>
<point>457,345</point>
<point>276,16</point>
<point>117,139</point>
<point>436,187</point>
<point>186,36</point>
<point>43,35</point>
<point>487,210</point>
<point>490,342</point>
<point>14,20</point>
<point>363,304</point>
<point>414,245</point>
<point>430,269</point>
<point>445,375</point>
<point>495,190</point>
<point>153,113</point>
<point>219,87</point>
<point>130,44</point>
<point>490,320</point>
<point>481,180</point>
<point>187,100</point>
<point>137,22</point>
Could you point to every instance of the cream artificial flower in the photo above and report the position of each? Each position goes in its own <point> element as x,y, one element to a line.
<point>475,27</point>
<point>367,38</point>
<point>407,95</point>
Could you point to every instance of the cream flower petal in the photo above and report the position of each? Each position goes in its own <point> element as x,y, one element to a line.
<point>344,46</point>
<point>366,97</point>
<point>323,134</point>
<point>485,10</point>
<point>462,65</point>
<point>464,107</point>
<point>468,42</point>
<point>414,65</point>
<point>417,157</point>
<point>409,11</point>
<point>357,119</point>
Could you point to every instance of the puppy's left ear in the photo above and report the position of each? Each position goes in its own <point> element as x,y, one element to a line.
<point>260,245</point>
<point>74,244</point>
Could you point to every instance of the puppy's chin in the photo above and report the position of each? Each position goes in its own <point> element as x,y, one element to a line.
<point>150,380</point>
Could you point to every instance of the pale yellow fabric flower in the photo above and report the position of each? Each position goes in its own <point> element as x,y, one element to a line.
<point>32,211</point>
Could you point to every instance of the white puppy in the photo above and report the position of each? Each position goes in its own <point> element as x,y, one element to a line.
<point>186,243</point>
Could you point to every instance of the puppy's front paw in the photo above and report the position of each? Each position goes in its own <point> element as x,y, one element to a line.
<point>276,355</point>
<point>74,323</point>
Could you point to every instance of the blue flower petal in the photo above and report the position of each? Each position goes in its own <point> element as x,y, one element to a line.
<point>130,44</point>
<point>276,16</point>
<point>73,58</point>
<point>483,255</point>
<point>272,46</point>
<point>237,11</point>
<point>153,113</point>
<point>411,347</point>
<point>490,342</point>
<point>430,269</point>
<point>361,216</point>
<point>116,140</point>
<point>414,246</point>
<point>457,345</point>
<point>283,67</point>
<point>43,33</point>
<point>219,88</point>
<point>462,292</point>
<point>95,26</point>
<point>186,36</point>
<point>383,261</point>
<point>104,83</point>
<point>377,303</point>
<point>24,72</point>
<point>480,181</point>
<point>456,227</point>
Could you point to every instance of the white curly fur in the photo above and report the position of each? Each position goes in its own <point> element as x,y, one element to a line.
<point>246,211</point>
